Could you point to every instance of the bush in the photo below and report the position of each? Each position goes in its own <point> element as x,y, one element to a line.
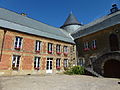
<point>78,70</point>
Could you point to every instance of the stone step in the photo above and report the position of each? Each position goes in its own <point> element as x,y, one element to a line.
<point>93,72</point>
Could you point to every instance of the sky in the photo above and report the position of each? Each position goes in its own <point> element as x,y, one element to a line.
<point>55,12</point>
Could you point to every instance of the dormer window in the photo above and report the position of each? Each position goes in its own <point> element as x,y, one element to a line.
<point>50,49</point>
<point>37,46</point>
<point>18,43</point>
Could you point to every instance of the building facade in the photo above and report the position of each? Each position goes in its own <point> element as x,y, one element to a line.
<point>31,47</point>
<point>98,44</point>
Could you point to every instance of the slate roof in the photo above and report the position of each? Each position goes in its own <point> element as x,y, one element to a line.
<point>97,25</point>
<point>17,22</point>
<point>71,20</point>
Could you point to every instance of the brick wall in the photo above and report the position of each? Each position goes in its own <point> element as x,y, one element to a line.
<point>27,52</point>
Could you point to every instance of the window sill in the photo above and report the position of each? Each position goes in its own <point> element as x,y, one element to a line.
<point>58,53</point>
<point>65,54</point>
<point>86,49</point>
<point>49,52</point>
<point>17,48</point>
<point>37,51</point>
<point>37,68</point>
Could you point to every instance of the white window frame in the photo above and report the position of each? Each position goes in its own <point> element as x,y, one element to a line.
<point>50,48</point>
<point>58,62</point>
<point>15,60</point>
<point>37,63</point>
<point>17,42</point>
<point>94,44</point>
<point>65,62</point>
<point>37,45</point>
<point>82,62</point>
<point>65,49</point>
<point>58,48</point>
<point>86,45</point>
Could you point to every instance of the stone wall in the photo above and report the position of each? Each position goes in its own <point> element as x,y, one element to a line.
<point>102,43</point>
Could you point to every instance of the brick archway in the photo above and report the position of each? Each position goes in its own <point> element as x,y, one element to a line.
<point>99,64</point>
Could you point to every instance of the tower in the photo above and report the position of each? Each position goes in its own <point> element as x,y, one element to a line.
<point>71,24</point>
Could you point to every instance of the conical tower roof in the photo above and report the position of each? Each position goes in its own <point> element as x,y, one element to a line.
<point>71,20</point>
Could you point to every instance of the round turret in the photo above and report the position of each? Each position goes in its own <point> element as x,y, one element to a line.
<point>71,24</point>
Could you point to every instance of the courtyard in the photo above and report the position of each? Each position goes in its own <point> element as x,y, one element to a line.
<point>58,82</point>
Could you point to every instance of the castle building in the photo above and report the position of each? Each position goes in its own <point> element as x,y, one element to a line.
<point>98,44</point>
<point>28,46</point>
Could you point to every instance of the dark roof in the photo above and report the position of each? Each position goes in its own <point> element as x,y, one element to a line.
<point>17,22</point>
<point>97,25</point>
<point>71,20</point>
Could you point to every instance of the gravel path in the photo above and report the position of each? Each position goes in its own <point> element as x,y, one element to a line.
<point>58,82</point>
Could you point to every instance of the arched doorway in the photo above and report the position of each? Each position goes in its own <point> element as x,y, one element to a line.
<point>114,44</point>
<point>111,68</point>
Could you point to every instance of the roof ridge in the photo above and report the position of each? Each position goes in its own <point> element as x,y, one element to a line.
<point>96,21</point>
<point>28,17</point>
<point>18,22</point>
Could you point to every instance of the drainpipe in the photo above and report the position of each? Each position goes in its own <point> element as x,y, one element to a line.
<point>2,44</point>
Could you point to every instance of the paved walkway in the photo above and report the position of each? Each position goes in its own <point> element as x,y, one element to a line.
<point>58,82</point>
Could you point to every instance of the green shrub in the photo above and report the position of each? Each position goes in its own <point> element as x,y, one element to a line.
<point>78,70</point>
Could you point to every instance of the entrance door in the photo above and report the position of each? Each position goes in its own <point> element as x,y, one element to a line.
<point>49,65</point>
<point>111,69</point>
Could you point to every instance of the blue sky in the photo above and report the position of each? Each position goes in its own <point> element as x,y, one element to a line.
<point>55,12</point>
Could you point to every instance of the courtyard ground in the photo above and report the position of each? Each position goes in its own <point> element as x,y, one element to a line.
<point>58,82</point>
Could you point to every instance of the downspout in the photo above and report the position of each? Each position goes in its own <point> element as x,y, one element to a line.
<point>2,44</point>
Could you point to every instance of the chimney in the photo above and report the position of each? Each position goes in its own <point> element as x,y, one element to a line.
<point>23,14</point>
<point>114,8</point>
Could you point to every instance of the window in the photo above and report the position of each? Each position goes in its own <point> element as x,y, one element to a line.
<point>94,44</point>
<point>58,47</point>
<point>86,46</point>
<point>37,63</point>
<point>58,63</point>
<point>65,63</point>
<point>18,43</point>
<point>37,46</point>
<point>50,48</point>
<point>15,62</point>
<point>65,50</point>
<point>81,61</point>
